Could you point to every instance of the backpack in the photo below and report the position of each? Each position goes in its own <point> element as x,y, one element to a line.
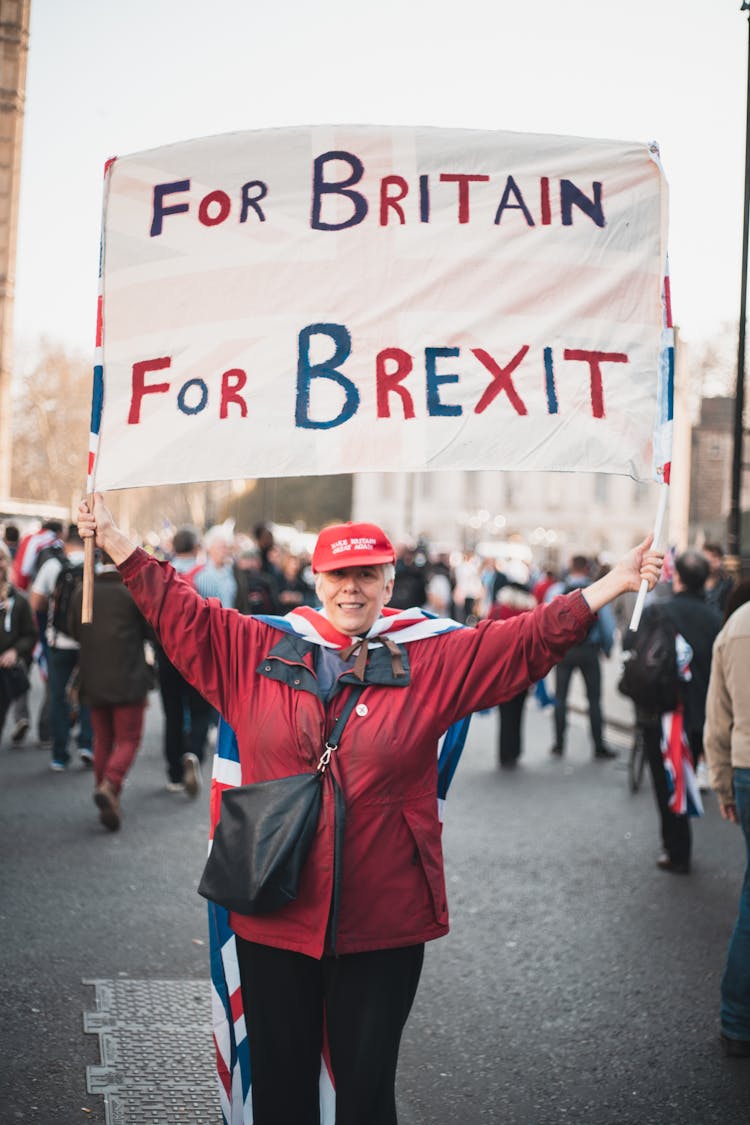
<point>649,675</point>
<point>54,551</point>
<point>68,581</point>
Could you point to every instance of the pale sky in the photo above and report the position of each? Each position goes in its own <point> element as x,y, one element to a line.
<point>110,77</point>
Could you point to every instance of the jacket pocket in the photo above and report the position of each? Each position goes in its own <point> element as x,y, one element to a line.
<point>429,854</point>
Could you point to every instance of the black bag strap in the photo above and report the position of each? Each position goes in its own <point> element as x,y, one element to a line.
<point>335,736</point>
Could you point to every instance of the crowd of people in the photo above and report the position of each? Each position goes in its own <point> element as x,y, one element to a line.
<point>257,575</point>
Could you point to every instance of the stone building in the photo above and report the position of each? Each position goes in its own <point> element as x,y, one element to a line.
<point>14,49</point>
<point>711,473</point>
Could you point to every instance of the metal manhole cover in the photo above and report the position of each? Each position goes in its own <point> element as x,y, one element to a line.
<point>157,1053</point>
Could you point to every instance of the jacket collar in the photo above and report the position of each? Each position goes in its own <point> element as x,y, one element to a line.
<point>291,661</point>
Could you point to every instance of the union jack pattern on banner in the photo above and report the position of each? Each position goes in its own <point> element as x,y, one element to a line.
<point>233,1062</point>
<point>97,392</point>
<point>664,428</point>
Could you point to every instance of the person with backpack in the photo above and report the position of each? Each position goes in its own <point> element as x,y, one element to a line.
<point>51,593</point>
<point>115,679</point>
<point>690,622</point>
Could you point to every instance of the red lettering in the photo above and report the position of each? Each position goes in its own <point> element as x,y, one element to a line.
<point>224,204</point>
<point>140,370</point>
<point>232,382</point>
<point>501,380</point>
<point>546,210</point>
<point>594,359</point>
<point>387,200</point>
<point>390,381</point>
<point>463,180</point>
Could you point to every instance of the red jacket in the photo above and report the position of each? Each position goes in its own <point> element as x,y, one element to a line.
<point>263,683</point>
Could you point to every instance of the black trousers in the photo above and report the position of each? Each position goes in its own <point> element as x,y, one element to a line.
<point>365,999</point>
<point>675,828</point>
<point>511,722</point>
<point>179,697</point>
<point>586,659</point>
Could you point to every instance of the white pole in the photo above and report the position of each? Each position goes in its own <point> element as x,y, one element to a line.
<point>638,610</point>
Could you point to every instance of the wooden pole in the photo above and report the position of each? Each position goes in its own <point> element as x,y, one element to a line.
<point>89,547</point>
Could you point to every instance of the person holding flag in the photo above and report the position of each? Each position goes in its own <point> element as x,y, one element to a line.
<point>346,954</point>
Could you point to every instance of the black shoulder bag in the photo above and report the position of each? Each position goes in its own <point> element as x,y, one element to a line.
<point>264,835</point>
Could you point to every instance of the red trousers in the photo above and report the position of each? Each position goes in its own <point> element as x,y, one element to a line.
<point>117,730</point>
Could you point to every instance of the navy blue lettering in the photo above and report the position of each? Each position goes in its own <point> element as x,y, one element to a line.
<point>571,196</point>
<point>436,408</point>
<point>549,382</point>
<point>160,191</point>
<point>337,187</point>
<point>248,200</point>
<point>182,397</point>
<point>424,199</point>
<point>512,186</point>
<point>306,372</point>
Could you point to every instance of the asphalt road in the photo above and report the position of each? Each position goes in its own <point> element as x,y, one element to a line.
<point>579,983</point>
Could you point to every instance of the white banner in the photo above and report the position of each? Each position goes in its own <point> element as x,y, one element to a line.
<point>359,298</point>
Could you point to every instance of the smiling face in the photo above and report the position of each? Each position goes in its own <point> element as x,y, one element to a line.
<point>353,597</point>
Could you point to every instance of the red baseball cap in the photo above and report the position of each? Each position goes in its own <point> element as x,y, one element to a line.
<point>351,544</point>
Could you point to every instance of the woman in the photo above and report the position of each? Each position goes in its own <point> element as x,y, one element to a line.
<point>17,637</point>
<point>351,945</point>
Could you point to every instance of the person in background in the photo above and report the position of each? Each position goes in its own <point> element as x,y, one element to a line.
<point>726,738</point>
<point>26,561</point>
<point>11,538</point>
<point>215,578</point>
<point>440,585</point>
<point>62,652</point>
<point>439,592</point>
<point>266,545</point>
<point>698,623</point>
<point>256,590</point>
<point>17,631</point>
<point>544,582</point>
<point>293,590</point>
<point>719,584</point>
<point>187,716</point>
<point>512,600</point>
<point>410,583</point>
<point>584,657</point>
<point>115,680</point>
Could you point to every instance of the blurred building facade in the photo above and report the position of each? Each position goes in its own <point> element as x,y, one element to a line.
<point>557,514</point>
<point>712,444</point>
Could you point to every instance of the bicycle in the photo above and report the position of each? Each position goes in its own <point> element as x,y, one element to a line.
<point>636,760</point>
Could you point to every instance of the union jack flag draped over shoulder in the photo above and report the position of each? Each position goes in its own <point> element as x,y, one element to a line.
<point>233,1063</point>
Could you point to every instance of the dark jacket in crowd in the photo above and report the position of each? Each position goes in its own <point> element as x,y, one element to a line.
<point>112,667</point>
<point>17,628</point>
<point>699,624</point>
